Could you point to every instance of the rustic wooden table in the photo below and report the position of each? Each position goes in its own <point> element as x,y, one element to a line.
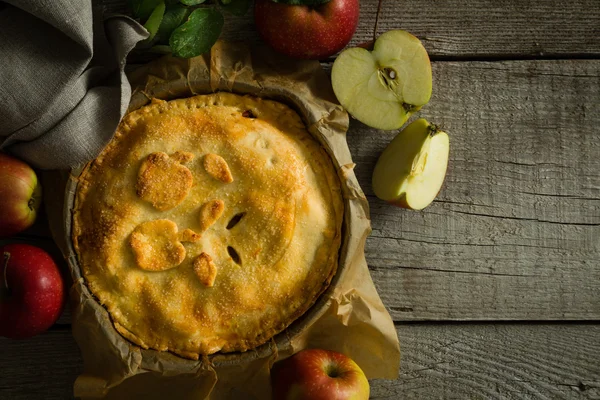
<point>495,288</point>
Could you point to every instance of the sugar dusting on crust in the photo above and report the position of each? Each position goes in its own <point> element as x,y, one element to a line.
<point>205,269</point>
<point>210,212</point>
<point>217,167</point>
<point>182,157</point>
<point>163,181</point>
<point>189,235</point>
<point>288,239</point>
<point>156,245</point>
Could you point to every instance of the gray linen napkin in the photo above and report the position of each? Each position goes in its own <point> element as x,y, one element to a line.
<point>62,86</point>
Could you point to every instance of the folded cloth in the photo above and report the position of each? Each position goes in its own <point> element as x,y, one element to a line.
<point>62,86</point>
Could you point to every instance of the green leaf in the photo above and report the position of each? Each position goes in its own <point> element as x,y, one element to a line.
<point>154,20</point>
<point>236,7</point>
<point>302,2</point>
<point>172,19</point>
<point>198,34</point>
<point>192,2</point>
<point>143,8</point>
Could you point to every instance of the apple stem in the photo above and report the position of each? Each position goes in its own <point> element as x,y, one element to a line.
<point>433,129</point>
<point>377,20</point>
<point>4,288</point>
<point>409,107</point>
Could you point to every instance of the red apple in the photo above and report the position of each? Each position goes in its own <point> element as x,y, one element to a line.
<point>20,195</point>
<point>309,32</point>
<point>32,292</point>
<point>317,374</point>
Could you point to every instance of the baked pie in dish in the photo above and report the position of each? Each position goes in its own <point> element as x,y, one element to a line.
<point>208,223</point>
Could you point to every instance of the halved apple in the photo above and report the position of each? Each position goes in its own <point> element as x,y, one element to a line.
<point>383,88</point>
<point>411,170</point>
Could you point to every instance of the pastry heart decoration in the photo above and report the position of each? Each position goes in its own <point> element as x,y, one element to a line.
<point>165,182</point>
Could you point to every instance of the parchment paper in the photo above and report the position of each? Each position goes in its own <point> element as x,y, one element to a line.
<point>349,317</point>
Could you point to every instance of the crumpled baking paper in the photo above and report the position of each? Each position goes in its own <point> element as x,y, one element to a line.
<point>349,317</point>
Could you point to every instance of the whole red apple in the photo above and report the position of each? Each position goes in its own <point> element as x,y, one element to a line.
<point>20,195</point>
<point>32,292</point>
<point>309,32</point>
<point>317,374</point>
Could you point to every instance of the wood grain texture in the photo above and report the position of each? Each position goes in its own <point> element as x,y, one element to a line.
<point>460,361</point>
<point>496,362</point>
<point>491,28</point>
<point>43,367</point>
<point>467,28</point>
<point>515,232</point>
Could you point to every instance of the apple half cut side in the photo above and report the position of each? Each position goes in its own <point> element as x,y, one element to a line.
<point>383,88</point>
<point>411,170</point>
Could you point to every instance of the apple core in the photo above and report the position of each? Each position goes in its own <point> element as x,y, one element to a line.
<point>384,87</point>
<point>387,77</point>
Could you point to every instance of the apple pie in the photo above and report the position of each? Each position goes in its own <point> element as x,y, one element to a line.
<point>208,223</point>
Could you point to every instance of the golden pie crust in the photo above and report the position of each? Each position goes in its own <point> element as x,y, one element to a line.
<point>208,223</point>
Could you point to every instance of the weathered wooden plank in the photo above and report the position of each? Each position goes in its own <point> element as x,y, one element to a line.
<point>460,361</point>
<point>474,28</point>
<point>515,232</point>
<point>497,28</point>
<point>43,367</point>
<point>496,362</point>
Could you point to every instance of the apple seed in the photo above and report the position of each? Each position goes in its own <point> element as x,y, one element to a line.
<point>387,77</point>
<point>391,73</point>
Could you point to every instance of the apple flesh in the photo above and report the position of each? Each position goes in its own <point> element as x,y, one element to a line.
<point>20,195</point>
<point>384,87</point>
<point>307,32</point>
<point>32,292</point>
<point>317,374</point>
<point>411,170</point>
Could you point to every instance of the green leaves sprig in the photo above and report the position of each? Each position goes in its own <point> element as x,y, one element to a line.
<point>197,34</point>
<point>187,28</point>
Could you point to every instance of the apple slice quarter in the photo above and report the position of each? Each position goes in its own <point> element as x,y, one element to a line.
<point>383,88</point>
<point>411,170</point>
